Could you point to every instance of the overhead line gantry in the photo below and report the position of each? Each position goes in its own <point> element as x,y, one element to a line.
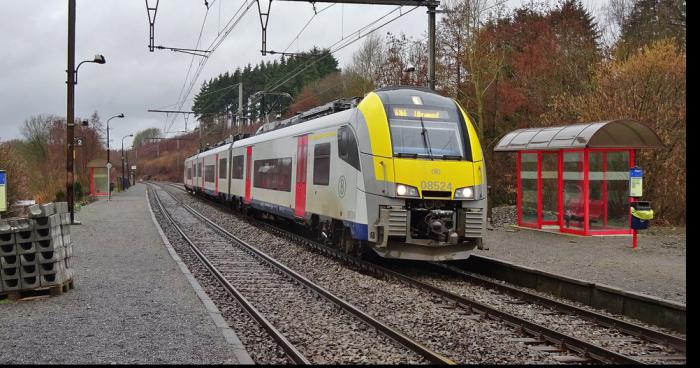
<point>265,5</point>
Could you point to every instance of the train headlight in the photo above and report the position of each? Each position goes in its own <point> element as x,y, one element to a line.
<point>406,191</point>
<point>464,193</point>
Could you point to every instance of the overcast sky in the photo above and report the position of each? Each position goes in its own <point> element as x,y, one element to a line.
<point>33,40</point>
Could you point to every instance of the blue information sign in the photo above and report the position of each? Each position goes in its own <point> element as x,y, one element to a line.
<point>636,175</point>
<point>2,178</point>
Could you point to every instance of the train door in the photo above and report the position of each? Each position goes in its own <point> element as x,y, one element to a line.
<point>300,190</point>
<point>248,169</point>
<point>216,174</point>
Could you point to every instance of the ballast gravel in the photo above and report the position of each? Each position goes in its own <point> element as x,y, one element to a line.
<point>261,347</point>
<point>440,326</point>
<point>319,329</point>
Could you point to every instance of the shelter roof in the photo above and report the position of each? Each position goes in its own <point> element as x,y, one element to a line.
<point>620,133</point>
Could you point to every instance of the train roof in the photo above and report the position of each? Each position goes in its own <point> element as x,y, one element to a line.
<point>297,129</point>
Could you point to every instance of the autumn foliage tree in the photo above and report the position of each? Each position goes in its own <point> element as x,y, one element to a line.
<point>649,86</point>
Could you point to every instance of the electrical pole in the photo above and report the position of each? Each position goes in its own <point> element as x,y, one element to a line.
<point>431,46</point>
<point>70,118</point>
<point>240,104</point>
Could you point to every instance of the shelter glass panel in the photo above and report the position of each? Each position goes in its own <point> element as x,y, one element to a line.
<point>574,202</point>
<point>550,187</point>
<point>528,188</point>
<point>100,178</point>
<point>596,190</point>
<point>615,183</point>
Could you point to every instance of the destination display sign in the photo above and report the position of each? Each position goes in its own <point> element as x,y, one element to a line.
<point>409,112</point>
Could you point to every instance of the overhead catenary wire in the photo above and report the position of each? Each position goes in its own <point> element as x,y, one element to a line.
<point>221,36</point>
<point>306,25</point>
<point>337,46</point>
<point>342,46</point>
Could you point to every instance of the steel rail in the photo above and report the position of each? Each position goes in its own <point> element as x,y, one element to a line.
<point>629,328</point>
<point>577,345</point>
<point>420,349</point>
<point>291,351</point>
<point>559,339</point>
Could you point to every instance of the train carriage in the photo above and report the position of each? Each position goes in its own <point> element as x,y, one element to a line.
<point>400,172</point>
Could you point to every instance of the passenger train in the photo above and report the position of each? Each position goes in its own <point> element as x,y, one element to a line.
<point>400,171</point>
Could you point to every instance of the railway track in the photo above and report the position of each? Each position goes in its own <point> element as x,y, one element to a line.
<point>544,338</point>
<point>259,283</point>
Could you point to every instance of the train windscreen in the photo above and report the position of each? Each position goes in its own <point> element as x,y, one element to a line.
<point>427,132</point>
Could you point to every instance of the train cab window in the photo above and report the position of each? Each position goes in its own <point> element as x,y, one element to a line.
<point>209,173</point>
<point>199,169</point>
<point>322,163</point>
<point>347,147</point>
<point>237,167</point>
<point>189,173</point>
<point>222,168</point>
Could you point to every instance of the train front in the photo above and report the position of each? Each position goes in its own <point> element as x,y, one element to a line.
<point>424,175</point>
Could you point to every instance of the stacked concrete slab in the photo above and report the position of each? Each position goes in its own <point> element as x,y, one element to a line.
<point>35,252</point>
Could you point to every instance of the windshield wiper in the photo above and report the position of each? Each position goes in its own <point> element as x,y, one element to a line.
<point>426,142</point>
<point>452,157</point>
<point>403,154</point>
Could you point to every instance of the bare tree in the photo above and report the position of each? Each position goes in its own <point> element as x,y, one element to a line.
<point>366,64</point>
<point>37,131</point>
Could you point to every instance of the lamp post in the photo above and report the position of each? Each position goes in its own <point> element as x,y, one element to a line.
<point>128,167</point>
<point>72,72</point>
<point>130,135</point>
<point>109,164</point>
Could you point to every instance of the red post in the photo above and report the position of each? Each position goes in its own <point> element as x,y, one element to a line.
<point>519,195</point>
<point>634,239</point>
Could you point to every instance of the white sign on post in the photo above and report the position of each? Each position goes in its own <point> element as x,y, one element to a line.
<point>133,167</point>
<point>109,176</point>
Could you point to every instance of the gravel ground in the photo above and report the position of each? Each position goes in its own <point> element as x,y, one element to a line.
<point>656,268</point>
<point>321,331</point>
<point>261,347</point>
<point>131,303</point>
<point>436,324</point>
<point>609,338</point>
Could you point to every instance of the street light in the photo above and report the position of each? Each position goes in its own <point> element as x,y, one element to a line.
<point>99,59</point>
<point>130,135</point>
<point>109,164</point>
<point>71,81</point>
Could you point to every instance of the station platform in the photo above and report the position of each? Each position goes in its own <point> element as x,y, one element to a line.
<point>131,303</point>
<point>656,268</point>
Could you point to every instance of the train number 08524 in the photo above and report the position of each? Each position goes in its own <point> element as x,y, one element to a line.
<point>435,185</point>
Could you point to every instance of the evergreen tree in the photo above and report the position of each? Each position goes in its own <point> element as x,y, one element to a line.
<point>652,20</point>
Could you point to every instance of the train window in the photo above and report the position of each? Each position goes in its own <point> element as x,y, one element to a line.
<point>189,172</point>
<point>237,167</point>
<point>209,172</point>
<point>222,168</point>
<point>322,163</point>
<point>347,147</point>
<point>199,169</point>
<point>274,174</point>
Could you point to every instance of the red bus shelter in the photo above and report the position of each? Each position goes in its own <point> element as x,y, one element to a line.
<point>575,178</point>
<point>98,177</point>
